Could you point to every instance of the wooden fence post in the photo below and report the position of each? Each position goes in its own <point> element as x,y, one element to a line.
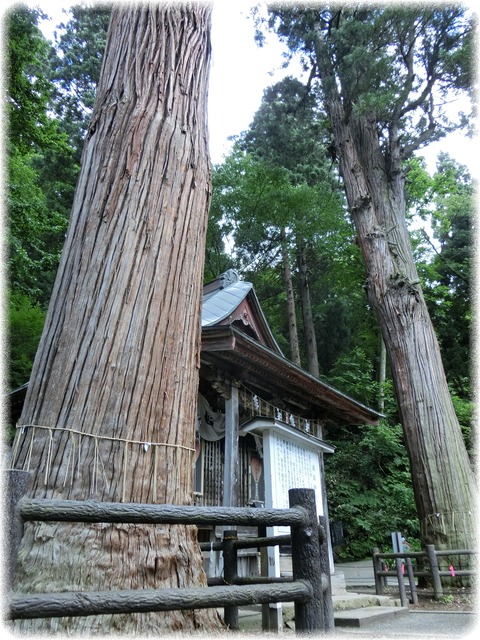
<point>266,622</point>
<point>17,485</point>
<point>411,579</point>
<point>328,617</point>
<point>434,571</point>
<point>230,573</point>
<point>306,563</point>
<point>401,582</point>
<point>377,566</point>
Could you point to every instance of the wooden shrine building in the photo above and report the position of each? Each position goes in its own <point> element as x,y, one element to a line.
<point>261,418</point>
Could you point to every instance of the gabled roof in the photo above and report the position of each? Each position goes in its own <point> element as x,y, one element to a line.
<point>255,357</point>
<point>227,300</point>
<point>219,304</point>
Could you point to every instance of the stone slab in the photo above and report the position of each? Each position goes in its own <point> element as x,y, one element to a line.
<point>366,616</point>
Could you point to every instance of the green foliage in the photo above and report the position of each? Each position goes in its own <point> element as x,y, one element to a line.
<point>75,68</point>
<point>368,478</point>
<point>28,87</point>
<point>38,163</point>
<point>445,263</point>
<point>354,374</point>
<point>35,232</point>
<point>464,408</point>
<point>255,207</point>
<point>417,189</point>
<point>25,324</point>
<point>369,488</point>
<point>289,131</point>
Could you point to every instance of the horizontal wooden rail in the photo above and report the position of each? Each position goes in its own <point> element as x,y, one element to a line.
<point>130,512</point>
<point>455,552</point>
<point>405,554</point>
<point>434,572</point>
<point>58,605</point>
<point>249,543</point>
<point>428,574</point>
<point>310,591</point>
<point>423,554</point>
<point>248,580</point>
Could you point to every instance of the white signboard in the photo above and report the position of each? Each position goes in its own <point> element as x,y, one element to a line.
<point>291,461</point>
<point>292,467</point>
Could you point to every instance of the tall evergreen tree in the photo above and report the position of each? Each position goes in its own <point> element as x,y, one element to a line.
<point>110,410</point>
<point>383,74</point>
<point>288,132</point>
<point>75,68</point>
<point>35,226</point>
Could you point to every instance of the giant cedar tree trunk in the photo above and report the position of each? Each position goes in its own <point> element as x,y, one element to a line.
<point>442,476</point>
<point>111,408</point>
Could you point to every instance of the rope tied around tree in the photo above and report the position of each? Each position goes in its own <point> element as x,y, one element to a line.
<point>437,521</point>
<point>75,436</point>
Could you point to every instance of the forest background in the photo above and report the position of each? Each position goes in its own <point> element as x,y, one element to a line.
<point>273,187</point>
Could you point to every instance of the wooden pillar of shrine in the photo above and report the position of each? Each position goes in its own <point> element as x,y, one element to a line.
<point>230,470</point>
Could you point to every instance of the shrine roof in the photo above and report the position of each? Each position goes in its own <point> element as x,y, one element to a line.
<point>256,365</point>
<point>221,303</point>
<point>228,300</point>
<point>236,339</point>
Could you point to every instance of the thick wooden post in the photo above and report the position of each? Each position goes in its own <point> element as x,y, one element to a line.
<point>401,582</point>
<point>230,473</point>
<point>306,563</point>
<point>411,579</point>
<point>230,573</point>
<point>328,617</point>
<point>262,532</point>
<point>17,484</point>
<point>435,572</point>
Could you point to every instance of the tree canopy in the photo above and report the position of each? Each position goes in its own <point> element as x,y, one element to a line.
<point>399,63</point>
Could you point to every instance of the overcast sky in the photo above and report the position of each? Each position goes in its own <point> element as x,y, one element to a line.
<point>240,71</point>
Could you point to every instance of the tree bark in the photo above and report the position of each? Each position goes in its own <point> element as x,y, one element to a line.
<point>111,408</point>
<point>441,473</point>
<point>382,375</point>
<point>308,324</point>
<point>291,313</point>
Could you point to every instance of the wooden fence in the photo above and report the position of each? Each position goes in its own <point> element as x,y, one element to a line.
<point>427,566</point>
<point>309,589</point>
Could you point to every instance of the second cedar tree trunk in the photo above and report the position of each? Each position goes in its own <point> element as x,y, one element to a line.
<point>110,413</point>
<point>442,477</point>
